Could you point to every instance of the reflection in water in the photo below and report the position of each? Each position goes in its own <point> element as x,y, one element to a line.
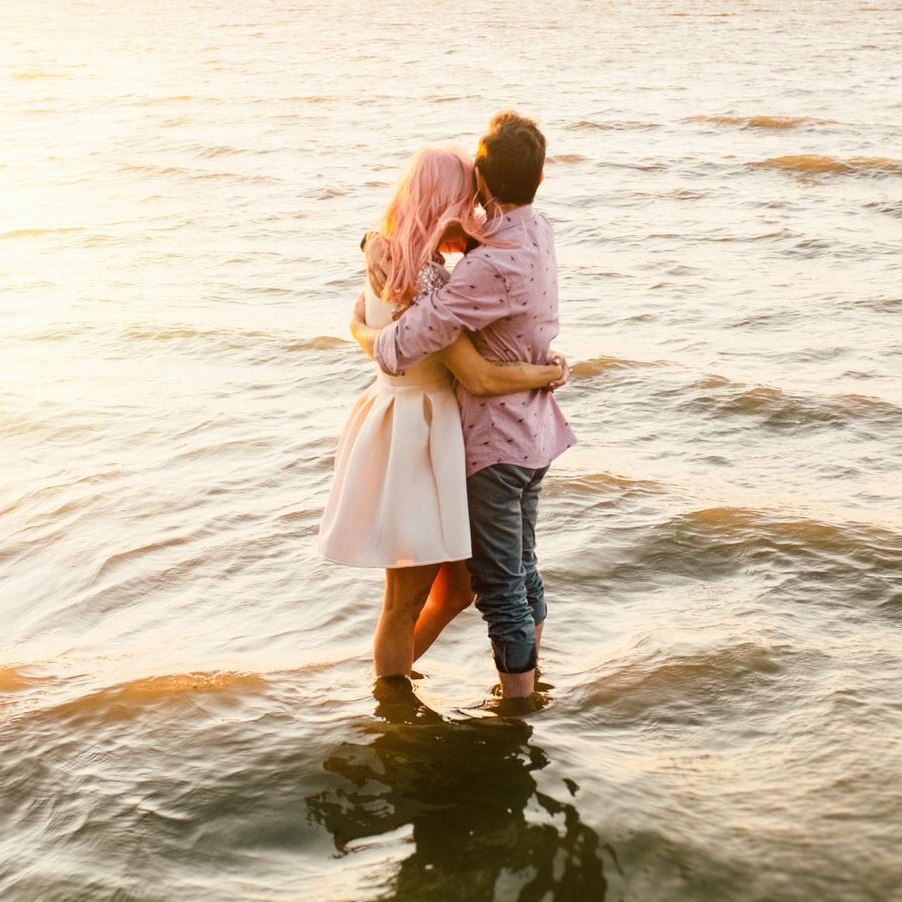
<point>464,787</point>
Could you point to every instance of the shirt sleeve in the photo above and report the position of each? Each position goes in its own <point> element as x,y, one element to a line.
<point>475,297</point>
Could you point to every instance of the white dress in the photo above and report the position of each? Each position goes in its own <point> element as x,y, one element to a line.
<point>398,495</point>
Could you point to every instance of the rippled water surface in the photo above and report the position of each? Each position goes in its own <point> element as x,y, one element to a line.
<point>186,700</point>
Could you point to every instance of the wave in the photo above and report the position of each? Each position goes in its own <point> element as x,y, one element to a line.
<point>761,122</point>
<point>448,98</point>
<point>637,167</point>
<point>207,152</point>
<point>718,397</point>
<point>881,305</point>
<point>890,207</point>
<point>199,174</point>
<point>854,562</point>
<point>233,339</point>
<point>648,686</point>
<point>777,234</point>
<point>126,700</point>
<point>613,125</point>
<point>568,158</point>
<point>36,75</point>
<point>48,492</point>
<point>819,164</point>
<point>153,333</point>
<point>117,560</point>
<point>320,343</point>
<point>326,192</point>
<point>75,696</point>
<point>308,98</point>
<point>597,366</point>
<point>49,526</point>
<point>592,484</point>
<point>14,678</point>
<point>38,233</point>
<point>223,151</point>
<point>171,98</point>
<point>179,683</point>
<point>57,331</point>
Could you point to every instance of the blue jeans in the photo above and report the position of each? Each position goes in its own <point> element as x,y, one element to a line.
<point>503,501</point>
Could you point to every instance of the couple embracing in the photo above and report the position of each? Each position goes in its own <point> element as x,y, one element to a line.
<point>439,467</point>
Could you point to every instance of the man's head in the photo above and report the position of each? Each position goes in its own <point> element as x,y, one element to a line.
<point>511,157</point>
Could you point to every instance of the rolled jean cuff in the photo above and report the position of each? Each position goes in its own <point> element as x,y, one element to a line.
<point>514,657</point>
<point>539,610</point>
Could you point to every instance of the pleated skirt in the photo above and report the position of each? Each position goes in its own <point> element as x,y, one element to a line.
<point>398,496</point>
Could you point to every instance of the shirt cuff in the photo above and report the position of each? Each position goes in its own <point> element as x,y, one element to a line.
<point>385,352</point>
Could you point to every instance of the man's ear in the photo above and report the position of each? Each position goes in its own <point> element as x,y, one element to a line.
<point>483,192</point>
<point>541,177</point>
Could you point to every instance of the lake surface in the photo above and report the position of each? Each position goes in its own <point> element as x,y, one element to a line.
<point>186,697</point>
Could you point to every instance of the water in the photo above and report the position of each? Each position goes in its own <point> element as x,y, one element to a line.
<point>186,707</point>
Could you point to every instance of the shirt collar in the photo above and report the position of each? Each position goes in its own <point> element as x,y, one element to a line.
<point>511,219</point>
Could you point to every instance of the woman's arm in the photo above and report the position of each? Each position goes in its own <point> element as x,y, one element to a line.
<point>365,335</point>
<point>481,377</point>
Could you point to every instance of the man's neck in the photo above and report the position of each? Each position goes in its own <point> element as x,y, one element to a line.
<point>494,208</point>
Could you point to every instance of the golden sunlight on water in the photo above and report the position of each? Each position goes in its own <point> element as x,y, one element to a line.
<point>185,688</point>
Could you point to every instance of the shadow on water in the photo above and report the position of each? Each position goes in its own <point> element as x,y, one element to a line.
<point>479,826</point>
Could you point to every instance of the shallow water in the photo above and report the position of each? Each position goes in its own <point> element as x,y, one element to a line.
<point>186,706</point>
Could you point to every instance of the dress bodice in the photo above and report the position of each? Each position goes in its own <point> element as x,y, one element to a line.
<point>380,314</point>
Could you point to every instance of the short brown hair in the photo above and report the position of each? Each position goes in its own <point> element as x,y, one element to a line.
<point>511,156</point>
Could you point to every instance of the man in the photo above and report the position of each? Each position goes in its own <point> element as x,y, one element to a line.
<point>506,295</point>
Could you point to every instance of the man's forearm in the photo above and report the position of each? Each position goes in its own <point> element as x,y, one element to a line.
<point>424,328</point>
<point>384,351</point>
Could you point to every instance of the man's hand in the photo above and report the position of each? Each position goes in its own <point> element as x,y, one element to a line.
<point>378,260</point>
<point>560,361</point>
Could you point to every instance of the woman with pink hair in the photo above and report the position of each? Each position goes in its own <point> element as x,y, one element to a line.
<point>398,499</point>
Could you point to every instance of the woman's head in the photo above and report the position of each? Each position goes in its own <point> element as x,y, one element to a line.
<point>436,194</point>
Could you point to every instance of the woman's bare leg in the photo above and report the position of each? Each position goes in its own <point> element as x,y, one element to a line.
<point>450,594</point>
<point>406,590</point>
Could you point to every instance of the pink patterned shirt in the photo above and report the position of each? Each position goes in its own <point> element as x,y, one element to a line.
<point>507,298</point>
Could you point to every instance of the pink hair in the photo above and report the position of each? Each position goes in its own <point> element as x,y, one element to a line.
<point>436,191</point>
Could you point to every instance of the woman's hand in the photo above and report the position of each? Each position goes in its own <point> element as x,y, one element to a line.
<point>365,335</point>
<point>358,317</point>
<point>378,261</point>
